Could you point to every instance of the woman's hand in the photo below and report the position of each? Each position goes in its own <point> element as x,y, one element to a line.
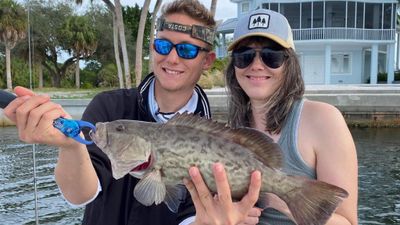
<point>220,209</point>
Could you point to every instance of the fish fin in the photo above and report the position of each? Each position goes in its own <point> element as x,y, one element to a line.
<point>313,202</point>
<point>151,189</point>
<point>174,197</point>
<point>197,122</point>
<point>266,150</point>
<point>256,141</point>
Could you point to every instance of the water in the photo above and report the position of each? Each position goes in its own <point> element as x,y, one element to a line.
<point>379,180</point>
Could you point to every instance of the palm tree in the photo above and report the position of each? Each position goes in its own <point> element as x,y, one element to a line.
<point>213,7</point>
<point>13,25</point>
<point>139,41</point>
<point>121,29</point>
<point>82,40</point>
<point>152,28</point>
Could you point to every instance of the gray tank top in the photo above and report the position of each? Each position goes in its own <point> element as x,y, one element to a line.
<point>293,162</point>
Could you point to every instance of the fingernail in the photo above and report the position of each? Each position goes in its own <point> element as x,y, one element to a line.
<point>218,167</point>
<point>257,174</point>
<point>193,171</point>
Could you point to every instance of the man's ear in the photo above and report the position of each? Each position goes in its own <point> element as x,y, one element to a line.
<point>209,60</point>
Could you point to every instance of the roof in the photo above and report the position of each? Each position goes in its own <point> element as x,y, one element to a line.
<point>227,26</point>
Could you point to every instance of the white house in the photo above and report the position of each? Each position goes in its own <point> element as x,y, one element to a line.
<point>338,42</point>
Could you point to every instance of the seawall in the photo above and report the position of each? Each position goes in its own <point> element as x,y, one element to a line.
<point>361,105</point>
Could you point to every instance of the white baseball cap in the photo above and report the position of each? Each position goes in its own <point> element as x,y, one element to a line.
<point>264,23</point>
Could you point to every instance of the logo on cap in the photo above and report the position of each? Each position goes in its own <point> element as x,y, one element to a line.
<point>259,21</point>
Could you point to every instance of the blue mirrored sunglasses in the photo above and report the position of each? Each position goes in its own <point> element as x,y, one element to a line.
<point>184,50</point>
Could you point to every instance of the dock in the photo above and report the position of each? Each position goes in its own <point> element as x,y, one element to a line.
<point>360,104</point>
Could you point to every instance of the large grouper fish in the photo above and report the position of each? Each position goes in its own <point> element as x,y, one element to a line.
<point>161,154</point>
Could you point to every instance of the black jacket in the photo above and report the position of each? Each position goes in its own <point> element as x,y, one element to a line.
<point>116,204</point>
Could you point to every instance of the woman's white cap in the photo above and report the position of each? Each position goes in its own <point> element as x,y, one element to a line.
<point>264,23</point>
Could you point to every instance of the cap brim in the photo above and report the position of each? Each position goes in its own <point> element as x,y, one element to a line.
<point>278,40</point>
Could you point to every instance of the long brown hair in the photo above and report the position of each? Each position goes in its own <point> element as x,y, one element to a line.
<point>278,105</point>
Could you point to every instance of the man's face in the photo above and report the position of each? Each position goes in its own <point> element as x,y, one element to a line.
<point>174,73</point>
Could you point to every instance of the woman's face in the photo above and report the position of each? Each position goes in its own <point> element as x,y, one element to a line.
<point>259,80</point>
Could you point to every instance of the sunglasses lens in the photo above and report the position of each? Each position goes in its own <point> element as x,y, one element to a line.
<point>243,57</point>
<point>271,58</point>
<point>187,51</point>
<point>162,47</point>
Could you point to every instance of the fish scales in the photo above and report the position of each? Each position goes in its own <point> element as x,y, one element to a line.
<point>161,154</point>
<point>178,148</point>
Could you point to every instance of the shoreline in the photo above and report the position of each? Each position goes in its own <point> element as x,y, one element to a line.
<point>361,105</point>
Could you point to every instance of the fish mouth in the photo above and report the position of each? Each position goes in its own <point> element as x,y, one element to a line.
<point>99,137</point>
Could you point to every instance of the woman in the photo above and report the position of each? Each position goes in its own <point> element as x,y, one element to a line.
<point>266,92</point>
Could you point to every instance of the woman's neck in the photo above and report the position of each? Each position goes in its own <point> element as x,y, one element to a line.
<point>258,110</point>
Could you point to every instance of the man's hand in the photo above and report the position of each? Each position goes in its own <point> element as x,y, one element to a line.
<point>34,116</point>
<point>220,209</point>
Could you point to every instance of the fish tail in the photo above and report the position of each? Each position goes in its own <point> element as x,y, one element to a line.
<point>312,202</point>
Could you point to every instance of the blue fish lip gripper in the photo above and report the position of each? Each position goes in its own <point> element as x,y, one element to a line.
<point>70,128</point>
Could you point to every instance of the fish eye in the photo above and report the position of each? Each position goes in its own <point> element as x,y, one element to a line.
<point>120,128</point>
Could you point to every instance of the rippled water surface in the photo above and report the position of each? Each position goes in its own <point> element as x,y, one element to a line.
<point>379,178</point>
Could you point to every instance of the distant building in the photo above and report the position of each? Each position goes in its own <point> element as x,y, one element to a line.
<point>338,42</point>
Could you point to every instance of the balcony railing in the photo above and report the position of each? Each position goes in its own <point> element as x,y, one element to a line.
<point>344,34</point>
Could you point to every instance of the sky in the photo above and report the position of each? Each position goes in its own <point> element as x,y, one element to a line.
<point>225,8</point>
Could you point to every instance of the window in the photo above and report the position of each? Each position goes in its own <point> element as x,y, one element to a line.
<point>341,63</point>
<point>387,16</point>
<point>245,7</point>
<point>274,7</point>
<point>292,13</point>
<point>265,5</point>
<point>318,17</point>
<point>360,15</point>
<point>306,15</point>
<point>374,18</point>
<point>335,14</point>
<point>351,10</point>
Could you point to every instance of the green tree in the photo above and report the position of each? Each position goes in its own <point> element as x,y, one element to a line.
<point>47,19</point>
<point>13,23</point>
<point>81,40</point>
<point>119,34</point>
<point>131,21</point>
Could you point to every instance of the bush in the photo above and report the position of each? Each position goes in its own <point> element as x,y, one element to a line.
<point>88,78</point>
<point>220,64</point>
<point>382,77</point>
<point>218,78</point>
<point>205,81</point>
<point>108,76</point>
<point>397,76</point>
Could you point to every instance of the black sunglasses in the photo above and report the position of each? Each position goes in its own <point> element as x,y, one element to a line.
<point>184,50</point>
<point>244,56</point>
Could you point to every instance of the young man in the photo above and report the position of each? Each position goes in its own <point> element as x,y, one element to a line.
<point>182,50</point>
